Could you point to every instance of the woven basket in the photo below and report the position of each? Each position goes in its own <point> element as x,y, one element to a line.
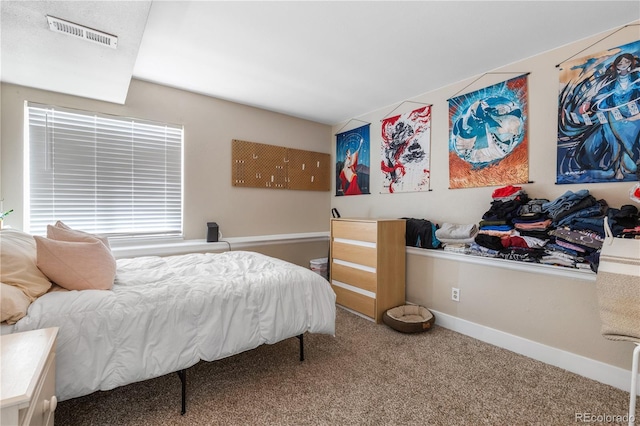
<point>618,287</point>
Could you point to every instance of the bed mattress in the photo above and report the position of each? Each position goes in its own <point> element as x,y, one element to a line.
<point>165,314</point>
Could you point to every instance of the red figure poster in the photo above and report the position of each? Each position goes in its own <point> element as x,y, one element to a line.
<point>352,165</point>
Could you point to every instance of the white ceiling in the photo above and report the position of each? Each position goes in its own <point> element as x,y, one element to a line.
<point>325,61</point>
<point>34,56</point>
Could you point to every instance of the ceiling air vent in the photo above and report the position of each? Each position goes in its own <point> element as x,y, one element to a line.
<point>61,26</point>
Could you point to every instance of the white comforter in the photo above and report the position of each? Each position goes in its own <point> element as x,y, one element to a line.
<point>166,314</point>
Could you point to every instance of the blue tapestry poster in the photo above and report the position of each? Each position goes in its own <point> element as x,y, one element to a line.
<point>599,117</point>
<point>488,136</point>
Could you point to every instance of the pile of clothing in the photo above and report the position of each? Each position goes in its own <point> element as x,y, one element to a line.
<point>567,231</point>
<point>513,228</point>
<point>624,221</point>
<point>421,233</point>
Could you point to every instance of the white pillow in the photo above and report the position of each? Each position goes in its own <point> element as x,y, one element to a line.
<point>13,303</point>
<point>18,263</point>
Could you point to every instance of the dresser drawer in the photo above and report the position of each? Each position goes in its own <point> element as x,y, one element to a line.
<point>352,230</point>
<point>353,253</point>
<point>358,302</point>
<point>356,277</point>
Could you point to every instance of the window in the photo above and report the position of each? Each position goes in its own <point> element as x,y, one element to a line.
<point>102,174</point>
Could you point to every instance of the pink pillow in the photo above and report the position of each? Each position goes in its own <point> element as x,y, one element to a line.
<point>62,232</point>
<point>61,224</point>
<point>76,265</point>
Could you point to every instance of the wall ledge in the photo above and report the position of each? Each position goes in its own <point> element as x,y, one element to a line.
<point>174,247</point>
<point>179,246</point>
<point>538,268</point>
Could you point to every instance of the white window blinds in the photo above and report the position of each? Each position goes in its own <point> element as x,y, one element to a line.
<point>103,174</point>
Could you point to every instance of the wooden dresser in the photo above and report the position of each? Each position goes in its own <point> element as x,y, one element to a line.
<point>28,382</point>
<point>368,264</point>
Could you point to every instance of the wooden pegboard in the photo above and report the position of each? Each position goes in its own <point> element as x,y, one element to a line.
<point>257,165</point>
<point>308,170</point>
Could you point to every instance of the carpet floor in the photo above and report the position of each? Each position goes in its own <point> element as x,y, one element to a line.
<point>367,374</point>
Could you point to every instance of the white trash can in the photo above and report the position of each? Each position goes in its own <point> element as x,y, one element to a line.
<point>319,266</point>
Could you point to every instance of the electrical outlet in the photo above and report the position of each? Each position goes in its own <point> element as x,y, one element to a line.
<point>455,294</point>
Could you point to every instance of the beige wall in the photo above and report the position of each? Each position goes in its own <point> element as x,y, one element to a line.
<point>210,125</point>
<point>556,311</point>
<point>467,205</point>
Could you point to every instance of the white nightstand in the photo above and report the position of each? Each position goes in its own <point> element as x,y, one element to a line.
<point>28,378</point>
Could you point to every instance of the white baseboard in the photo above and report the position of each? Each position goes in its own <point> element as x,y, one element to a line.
<point>578,364</point>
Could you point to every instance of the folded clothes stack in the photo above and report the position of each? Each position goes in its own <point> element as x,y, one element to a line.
<point>578,231</point>
<point>572,247</point>
<point>508,193</point>
<point>569,204</point>
<point>499,233</point>
<point>532,220</point>
<point>457,237</point>
<point>505,204</point>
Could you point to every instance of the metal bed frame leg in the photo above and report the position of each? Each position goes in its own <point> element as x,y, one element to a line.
<point>183,378</point>
<point>301,338</point>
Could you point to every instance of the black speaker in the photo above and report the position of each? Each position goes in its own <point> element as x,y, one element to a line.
<point>212,232</point>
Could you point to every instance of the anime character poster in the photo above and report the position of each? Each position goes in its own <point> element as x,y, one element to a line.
<point>488,143</point>
<point>406,151</point>
<point>352,162</point>
<point>599,117</point>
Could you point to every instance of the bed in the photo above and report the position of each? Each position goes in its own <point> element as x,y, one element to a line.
<point>165,314</point>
